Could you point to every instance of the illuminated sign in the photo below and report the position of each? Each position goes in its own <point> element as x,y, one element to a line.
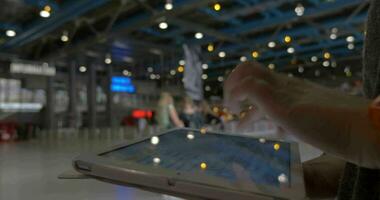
<point>138,114</point>
<point>32,68</point>
<point>21,107</point>
<point>122,84</point>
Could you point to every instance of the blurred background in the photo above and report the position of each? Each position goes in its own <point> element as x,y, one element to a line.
<point>120,69</point>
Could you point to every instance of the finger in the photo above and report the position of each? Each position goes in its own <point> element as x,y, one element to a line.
<point>251,116</point>
<point>243,71</point>
<point>234,97</point>
<point>247,69</point>
<point>257,92</point>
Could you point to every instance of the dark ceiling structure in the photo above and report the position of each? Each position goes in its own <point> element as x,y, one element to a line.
<point>303,37</point>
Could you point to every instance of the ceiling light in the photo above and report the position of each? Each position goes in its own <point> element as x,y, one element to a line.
<point>327,55</point>
<point>208,88</point>
<point>333,36</point>
<point>157,76</point>
<point>65,36</point>
<point>301,69</point>
<point>217,7</point>
<point>287,39</point>
<point>156,160</point>
<point>290,50</point>
<point>326,63</point>
<point>350,46</point>
<point>10,33</point>
<point>181,69</point>
<point>163,25</point>
<point>222,54</point>
<point>182,62</point>
<point>334,30</point>
<point>210,47</point>
<point>271,66</point>
<point>152,76</point>
<point>45,12</point>
<point>168,6</point>
<point>172,72</point>
<point>204,76</point>
<point>299,10</point>
<point>108,59</point>
<point>350,38</point>
<point>220,78</point>
<point>150,69</point>
<point>47,8</point>
<point>243,59</point>
<point>347,69</point>
<point>271,44</point>
<point>198,35</point>
<point>82,69</point>
<point>314,59</point>
<point>205,66</point>
<point>125,72</point>
<point>333,64</point>
<point>255,54</point>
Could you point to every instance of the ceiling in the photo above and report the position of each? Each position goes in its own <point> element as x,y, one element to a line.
<point>128,31</point>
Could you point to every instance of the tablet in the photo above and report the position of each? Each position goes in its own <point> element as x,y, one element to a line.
<point>197,164</point>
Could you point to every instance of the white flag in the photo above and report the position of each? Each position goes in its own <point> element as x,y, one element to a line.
<point>193,71</point>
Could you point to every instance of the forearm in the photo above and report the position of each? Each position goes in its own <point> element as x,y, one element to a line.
<point>175,119</point>
<point>322,176</point>
<point>344,130</point>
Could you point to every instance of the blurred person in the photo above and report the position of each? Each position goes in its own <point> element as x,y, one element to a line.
<point>167,116</point>
<point>190,115</point>
<point>339,124</point>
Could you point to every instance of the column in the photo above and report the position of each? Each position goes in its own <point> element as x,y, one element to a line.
<point>72,112</point>
<point>109,96</point>
<point>91,96</point>
<point>50,104</point>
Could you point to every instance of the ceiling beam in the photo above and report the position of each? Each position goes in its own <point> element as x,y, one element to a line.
<point>123,28</point>
<point>195,27</point>
<point>289,17</point>
<point>69,11</point>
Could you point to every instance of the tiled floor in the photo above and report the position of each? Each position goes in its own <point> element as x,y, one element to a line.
<point>29,170</point>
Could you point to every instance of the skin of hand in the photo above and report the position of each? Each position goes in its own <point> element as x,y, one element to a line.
<point>327,119</point>
<point>174,117</point>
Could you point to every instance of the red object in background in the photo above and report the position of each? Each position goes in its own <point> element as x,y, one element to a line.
<point>138,114</point>
<point>7,131</point>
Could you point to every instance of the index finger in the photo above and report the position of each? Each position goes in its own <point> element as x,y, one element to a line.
<point>247,69</point>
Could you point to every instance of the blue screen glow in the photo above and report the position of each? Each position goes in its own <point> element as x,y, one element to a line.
<point>122,84</point>
<point>121,80</point>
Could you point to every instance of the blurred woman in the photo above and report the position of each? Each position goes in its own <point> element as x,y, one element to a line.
<point>167,116</point>
<point>190,115</point>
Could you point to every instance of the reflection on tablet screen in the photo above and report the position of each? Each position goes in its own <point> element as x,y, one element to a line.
<point>266,162</point>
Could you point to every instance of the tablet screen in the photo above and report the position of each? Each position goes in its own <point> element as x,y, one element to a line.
<point>264,162</point>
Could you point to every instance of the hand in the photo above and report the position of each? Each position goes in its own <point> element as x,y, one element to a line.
<point>330,120</point>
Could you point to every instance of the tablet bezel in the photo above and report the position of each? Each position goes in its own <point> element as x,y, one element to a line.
<point>173,182</point>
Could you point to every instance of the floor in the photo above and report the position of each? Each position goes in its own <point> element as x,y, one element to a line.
<point>29,170</point>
